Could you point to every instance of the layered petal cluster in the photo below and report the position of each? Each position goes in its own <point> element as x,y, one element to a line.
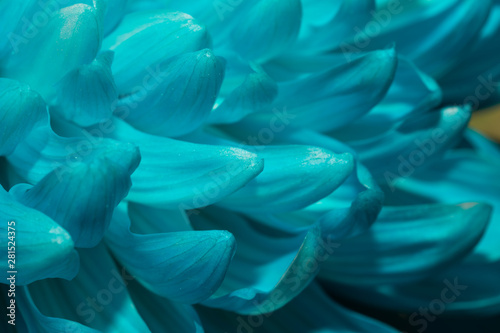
<point>216,166</point>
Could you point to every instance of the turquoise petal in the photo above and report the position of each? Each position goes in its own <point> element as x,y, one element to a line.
<point>432,33</point>
<point>76,32</point>
<point>331,99</point>
<point>42,248</point>
<point>410,146</point>
<point>473,80</point>
<point>180,98</point>
<point>81,196</point>
<point>44,152</point>
<point>161,314</point>
<point>115,10</point>
<point>176,174</point>
<point>97,297</point>
<point>349,211</point>
<point>447,181</point>
<point>408,243</point>
<point>311,311</point>
<point>411,92</point>
<point>145,40</point>
<point>35,321</point>
<point>293,177</point>
<point>261,32</point>
<point>87,94</point>
<point>256,92</point>
<point>10,16</point>
<point>266,262</point>
<point>156,220</point>
<point>21,109</point>
<point>328,24</point>
<point>185,267</point>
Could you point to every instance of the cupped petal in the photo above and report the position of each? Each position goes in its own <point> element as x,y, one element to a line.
<point>351,208</point>
<point>21,109</point>
<point>145,39</point>
<point>81,196</point>
<point>175,174</point>
<point>267,262</point>
<point>412,145</point>
<point>431,33</point>
<point>114,12</point>
<point>260,31</point>
<point>473,81</point>
<point>43,152</point>
<point>331,99</point>
<point>76,30</point>
<point>311,311</point>
<point>161,314</point>
<point>87,94</point>
<point>185,267</point>
<point>349,211</point>
<point>411,92</point>
<point>328,24</point>
<point>294,176</point>
<point>41,248</point>
<point>449,180</point>
<point>34,321</point>
<point>256,92</point>
<point>97,297</point>
<point>461,175</point>
<point>408,243</point>
<point>180,98</point>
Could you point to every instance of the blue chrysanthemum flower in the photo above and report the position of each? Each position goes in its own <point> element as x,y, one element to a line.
<point>241,166</point>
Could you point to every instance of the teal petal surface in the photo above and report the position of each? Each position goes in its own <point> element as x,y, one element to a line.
<point>411,145</point>
<point>185,267</point>
<point>328,24</point>
<point>99,184</point>
<point>331,99</point>
<point>77,33</point>
<point>97,297</point>
<point>21,109</point>
<point>408,243</point>
<point>145,40</point>
<point>448,180</point>
<point>180,98</point>
<point>160,313</point>
<point>176,174</point>
<point>431,33</point>
<point>293,177</point>
<point>260,32</point>
<point>87,94</point>
<point>254,92</point>
<point>267,262</point>
<point>311,311</point>
<point>42,248</point>
<point>35,321</point>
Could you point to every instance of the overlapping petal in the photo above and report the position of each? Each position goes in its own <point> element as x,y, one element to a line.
<point>21,109</point>
<point>76,30</point>
<point>408,243</point>
<point>267,262</point>
<point>97,298</point>
<point>184,267</point>
<point>311,311</point>
<point>180,96</point>
<point>147,39</point>
<point>87,95</point>
<point>40,247</point>
<point>99,183</point>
